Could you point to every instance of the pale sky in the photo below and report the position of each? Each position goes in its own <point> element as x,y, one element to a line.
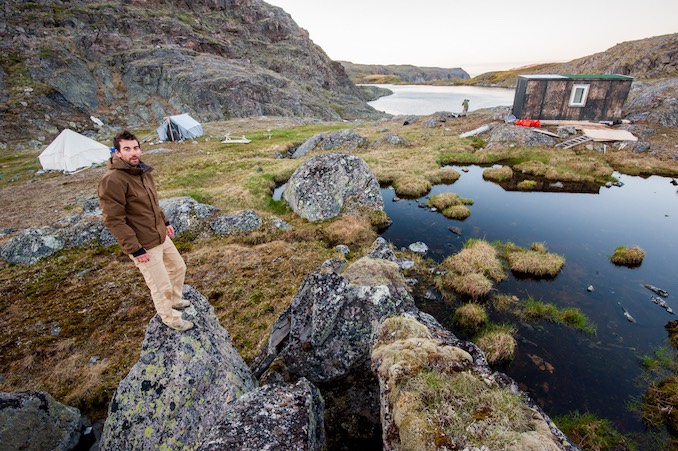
<point>478,36</point>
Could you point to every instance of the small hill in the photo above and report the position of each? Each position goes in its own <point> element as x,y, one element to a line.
<point>645,59</point>
<point>396,73</point>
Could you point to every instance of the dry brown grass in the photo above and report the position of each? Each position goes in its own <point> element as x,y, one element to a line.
<point>535,263</point>
<point>498,344</point>
<point>627,256</point>
<point>470,317</point>
<point>478,256</point>
<point>349,230</point>
<point>499,174</point>
<point>411,186</point>
<point>459,212</point>
<point>446,176</point>
<point>504,302</point>
<point>444,200</point>
<point>474,285</point>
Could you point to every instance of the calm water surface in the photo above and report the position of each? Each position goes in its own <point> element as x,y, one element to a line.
<point>422,100</point>
<point>591,373</point>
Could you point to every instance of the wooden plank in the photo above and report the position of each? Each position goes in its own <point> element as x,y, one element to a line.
<point>609,134</point>
<point>544,132</point>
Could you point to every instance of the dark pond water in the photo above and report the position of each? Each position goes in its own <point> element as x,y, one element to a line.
<point>590,373</point>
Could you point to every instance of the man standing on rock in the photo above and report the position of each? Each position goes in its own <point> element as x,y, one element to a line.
<point>131,212</point>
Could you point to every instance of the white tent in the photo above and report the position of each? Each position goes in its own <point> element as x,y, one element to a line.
<point>71,151</point>
<point>176,128</point>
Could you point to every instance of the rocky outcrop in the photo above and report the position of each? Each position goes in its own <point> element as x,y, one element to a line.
<point>505,135</point>
<point>181,385</point>
<point>34,420</point>
<point>132,63</point>
<point>326,184</point>
<point>654,102</point>
<point>184,213</point>
<point>327,335</point>
<point>192,390</point>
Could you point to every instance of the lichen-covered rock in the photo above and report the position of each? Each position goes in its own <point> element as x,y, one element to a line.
<point>31,245</point>
<point>181,386</point>
<point>82,229</point>
<point>185,213</point>
<point>505,135</point>
<point>229,224</point>
<point>35,421</point>
<point>272,417</point>
<point>346,139</point>
<point>325,184</point>
<point>653,101</point>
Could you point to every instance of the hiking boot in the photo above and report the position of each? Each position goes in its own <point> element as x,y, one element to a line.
<point>181,304</point>
<point>183,326</point>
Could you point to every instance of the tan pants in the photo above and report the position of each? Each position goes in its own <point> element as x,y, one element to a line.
<point>164,274</point>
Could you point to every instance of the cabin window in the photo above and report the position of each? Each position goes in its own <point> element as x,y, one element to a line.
<point>579,95</point>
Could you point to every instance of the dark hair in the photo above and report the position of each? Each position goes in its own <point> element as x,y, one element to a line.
<point>126,135</point>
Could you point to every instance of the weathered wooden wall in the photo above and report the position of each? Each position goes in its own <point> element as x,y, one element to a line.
<point>549,99</point>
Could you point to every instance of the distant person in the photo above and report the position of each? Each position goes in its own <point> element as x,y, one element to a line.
<point>131,212</point>
<point>464,106</point>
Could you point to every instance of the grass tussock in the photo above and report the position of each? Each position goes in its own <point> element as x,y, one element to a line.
<point>504,302</point>
<point>571,316</point>
<point>592,433</point>
<point>478,256</point>
<point>350,230</point>
<point>527,185</point>
<point>628,256</point>
<point>536,262</point>
<point>458,212</point>
<point>444,176</point>
<point>411,186</point>
<point>470,317</point>
<point>444,200</point>
<point>474,285</point>
<point>498,343</point>
<point>500,174</point>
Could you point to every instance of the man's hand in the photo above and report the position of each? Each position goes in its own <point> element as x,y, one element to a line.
<point>143,258</point>
<point>170,231</point>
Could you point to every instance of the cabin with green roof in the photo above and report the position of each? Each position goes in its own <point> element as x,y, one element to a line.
<point>571,97</point>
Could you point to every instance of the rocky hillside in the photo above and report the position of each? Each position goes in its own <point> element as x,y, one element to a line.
<point>645,59</point>
<point>134,62</point>
<point>394,73</point>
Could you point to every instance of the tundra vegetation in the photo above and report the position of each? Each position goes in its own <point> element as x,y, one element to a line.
<point>628,256</point>
<point>451,205</point>
<point>470,317</point>
<point>497,342</point>
<point>73,323</point>
<point>536,261</point>
<point>434,396</point>
<point>592,433</point>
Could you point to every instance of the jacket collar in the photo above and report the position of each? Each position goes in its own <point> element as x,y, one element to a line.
<point>116,163</point>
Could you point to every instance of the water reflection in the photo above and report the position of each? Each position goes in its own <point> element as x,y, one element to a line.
<point>589,373</point>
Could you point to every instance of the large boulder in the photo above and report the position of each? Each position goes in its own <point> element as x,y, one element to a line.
<point>345,139</point>
<point>35,421</point>
<point>180,387</point>
<point>229,224</point>
<point>325,184</point>
<point>185,213</point>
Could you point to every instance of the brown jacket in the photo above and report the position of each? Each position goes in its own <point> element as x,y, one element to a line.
<point>129,202</point>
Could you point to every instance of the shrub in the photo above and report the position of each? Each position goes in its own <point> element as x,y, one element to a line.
<point>627,256</point>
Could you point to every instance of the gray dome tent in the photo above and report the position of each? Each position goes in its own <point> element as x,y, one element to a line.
<point>177,128</point>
